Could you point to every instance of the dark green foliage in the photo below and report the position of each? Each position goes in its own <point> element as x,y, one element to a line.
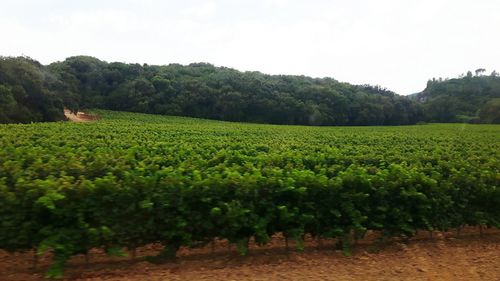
<point>490,112</point>
<point>462,100</point>
<point>202,90</point>
<point>32,92</point>
<point>27,92</point>
<point>131,179</point>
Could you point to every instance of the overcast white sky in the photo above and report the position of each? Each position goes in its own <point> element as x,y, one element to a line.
<point>393,43</point>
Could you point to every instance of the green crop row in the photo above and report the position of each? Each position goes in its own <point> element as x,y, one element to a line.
<point>131,180</point>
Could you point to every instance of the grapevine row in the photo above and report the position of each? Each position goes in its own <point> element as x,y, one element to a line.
<point>128,182</point>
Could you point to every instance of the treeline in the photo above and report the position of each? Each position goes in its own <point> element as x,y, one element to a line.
<point>470,99</point>
<point>204,91</point>
<point>30,92</point>
<point>201,90</point>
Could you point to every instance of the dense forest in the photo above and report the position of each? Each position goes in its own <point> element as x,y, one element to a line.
<point>28,92</point>
<point>32,92</point>
<point>202,90</point>
<point>470,98</point>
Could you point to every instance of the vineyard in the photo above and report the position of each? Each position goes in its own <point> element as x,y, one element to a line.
<point>130,180</point>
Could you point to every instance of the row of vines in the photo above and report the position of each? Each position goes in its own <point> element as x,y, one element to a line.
<point>130,180</point>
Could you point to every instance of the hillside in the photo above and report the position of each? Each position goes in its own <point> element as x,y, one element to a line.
<point>466,99</point>
<point>32,92</point>
<point>28,92</point>
<point>204,91</point>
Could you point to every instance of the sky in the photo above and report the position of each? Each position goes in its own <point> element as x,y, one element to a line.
<point>396,44</point>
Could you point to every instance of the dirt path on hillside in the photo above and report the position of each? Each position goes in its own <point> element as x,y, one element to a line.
<point>444,257</point>
<point>80,116</point>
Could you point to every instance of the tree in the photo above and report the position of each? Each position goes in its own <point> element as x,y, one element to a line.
<point>27,92</point>
<point>490,112</point>
<point>7,104</point>
<point>457,100</point>
<point>480,71</point>
<point>203,90</point>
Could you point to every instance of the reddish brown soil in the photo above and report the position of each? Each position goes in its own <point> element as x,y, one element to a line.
<point>443,257</point>
<point>80,116</point>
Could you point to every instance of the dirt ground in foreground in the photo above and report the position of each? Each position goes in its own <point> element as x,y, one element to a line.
<point>443,257</point>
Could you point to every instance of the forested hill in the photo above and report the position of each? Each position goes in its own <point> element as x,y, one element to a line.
<point>30,92</point>
<point>197,90</point>
<point>202,90</point>
<point>471,98</point>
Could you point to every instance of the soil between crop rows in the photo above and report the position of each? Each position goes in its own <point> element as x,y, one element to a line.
<point>442,257</point>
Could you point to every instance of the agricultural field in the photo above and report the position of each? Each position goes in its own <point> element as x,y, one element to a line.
<point>131,180</point>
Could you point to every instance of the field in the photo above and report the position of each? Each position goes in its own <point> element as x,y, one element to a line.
<point>131,180</point>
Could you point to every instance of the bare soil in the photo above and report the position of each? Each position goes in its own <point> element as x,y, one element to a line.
<point>442,257</point>
<point>80,116</point>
